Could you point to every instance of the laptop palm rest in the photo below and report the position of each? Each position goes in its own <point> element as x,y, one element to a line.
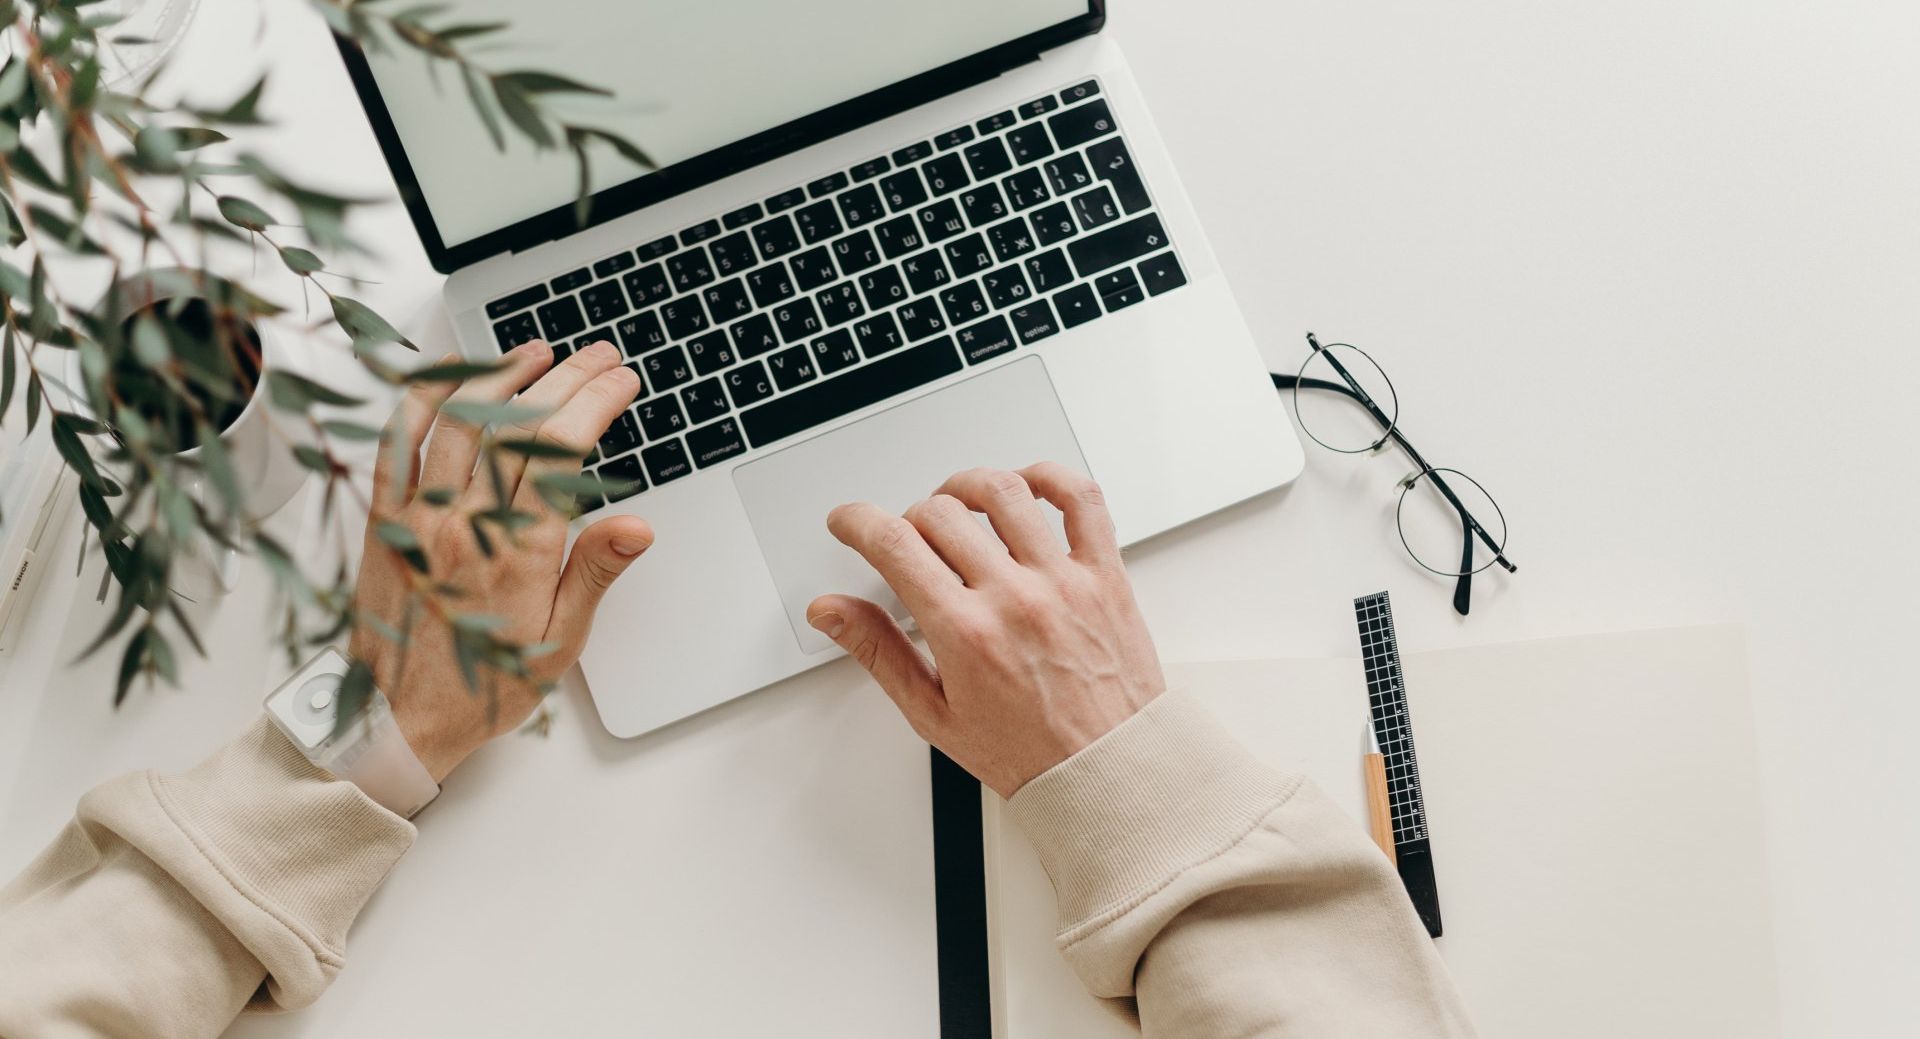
<point>1006,418</point>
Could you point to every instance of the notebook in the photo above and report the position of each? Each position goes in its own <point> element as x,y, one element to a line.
<point>1596,833</point>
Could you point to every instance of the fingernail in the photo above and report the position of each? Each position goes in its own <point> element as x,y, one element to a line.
<point>628,546</point>
<point>828,623</point>
<point>605,349</point>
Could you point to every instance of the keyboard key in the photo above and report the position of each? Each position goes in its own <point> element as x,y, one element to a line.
<point>964,303</point>
<point>1027,188</point>
<point>983,204</point>
<point>1076,126</point>
<point>743,216</point>
<point>711,352</point>
<point>683,317</point>
<point>988,159</point>
<point>727,300</point>
<point>926,271</point>
<point>623,478</point>
<point>700,232</point>
<point>713,444</point>
<point>521,300</point>
<point>622,436</point>
<point>641,333</point>
<point>786,200</point>
<point>912,153</point>
<point>878,334</point>
<point>1053,224</point>
<point>1095,208</point>
<point>883,288</point>
<point>657,248</point>
<point>516,330</point>
<point>770,285</point>
<point>1118,244</point>
<point>1038,107</point>
<point>856,252</point>
<point>969,255</point>
<point>733,254</point>
<point>1123,298</point>
<point>1011,239</point>
<point>898,237</point>
<point>818,222</point>
<point>941,221</point>
<point>589,501</point>
<point>664,370</point>
<point>776,237</point>
<point>1080,93</point>
<point>1076,305</point>
<point>689,270</point>
<point>797,320</point>
<point>995,123</point>
<point>661,417</point>
<point>903,190</point>
<point>813,268</point>
<point>791,367</point>
<point>840,304</point>
<point>1005,287</point>
<point>1049,270</point>
<point>603,302</point>
<point>561,319</point>
<point>1029,144</point>
<point>1110,285</point>
<point>850,391</point>
<point>748,383</point>
<point>945,174</point>
<point>1033,322</point>
<point>870,169</point>
<point>705,401</point>
<point>666,461</point>
<point>862,206</point>
<point>613,265</point>
<point>953,138</point>
<point>1114,164</point>
<point>921,318</point>
<point>571,280</point>
<point>648,285</point>
<point>827,185</point>
<point>989,338</point>
<point>754,336</point>
<point>834,351</point>
<point>1162,273</point>
<point>1069,174</point>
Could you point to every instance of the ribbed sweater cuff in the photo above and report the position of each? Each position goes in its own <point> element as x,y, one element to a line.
<point>1167,789</point>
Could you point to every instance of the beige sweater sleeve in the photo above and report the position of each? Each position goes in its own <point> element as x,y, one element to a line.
<point>1227,898</point>
<point>169,900</point>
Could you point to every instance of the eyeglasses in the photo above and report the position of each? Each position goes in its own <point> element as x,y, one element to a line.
<point>1447,521</point>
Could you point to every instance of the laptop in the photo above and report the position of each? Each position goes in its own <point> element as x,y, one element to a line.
<point>885,241</point>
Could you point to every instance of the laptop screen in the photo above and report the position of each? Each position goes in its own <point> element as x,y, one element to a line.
<point>687,77</point>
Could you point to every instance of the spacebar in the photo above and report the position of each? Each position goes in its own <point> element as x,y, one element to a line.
<point>871,384</point>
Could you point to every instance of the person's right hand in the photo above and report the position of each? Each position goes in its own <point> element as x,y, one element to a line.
<point>1037,650</point>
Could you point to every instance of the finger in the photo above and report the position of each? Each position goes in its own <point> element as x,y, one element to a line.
<point>872,637</point>
<point>895,548</point>
<point>1008,502</point>
<point>456,444</point>
<point>600,555</point>
<point>951,531</point>
<point>578,423</point>
<point>549,395</point>
<point>1080,501</point>
<point>400,442</point>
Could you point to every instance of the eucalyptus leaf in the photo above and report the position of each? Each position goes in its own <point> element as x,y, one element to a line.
<point>292,392</point>
<point>242,213</point>
<point>485,413</point>
<point>363,325</point>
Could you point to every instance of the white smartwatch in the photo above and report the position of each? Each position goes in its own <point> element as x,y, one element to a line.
<point>371,752</point>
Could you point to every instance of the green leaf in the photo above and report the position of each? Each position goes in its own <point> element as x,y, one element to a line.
<point>132,660</point>
<point>66,440</point>
<point>64,231</point>
<point>402,539</point>
<point>301,261</point>
<point>479,623</point>
<point>363,325</point>
<point>484,413</point>
<point>563,491</point>
<point>458,371</point>
<point>245,110</point>
<point>313,458</point>
<point>150,343</point>
<point>538,448</point>
<point>534,81</point>
<point>349,430</point>
<point>522,112</point>
<point>8,372</point>
<point>242,213</point>
<point>477,94</point>
<point>356,689</point>
<point>627,149</point>
<point>13,81</point>
<point>438,497</point>
<point>291,392</point>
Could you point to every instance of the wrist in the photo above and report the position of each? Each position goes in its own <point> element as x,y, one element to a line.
<point>439,749</point>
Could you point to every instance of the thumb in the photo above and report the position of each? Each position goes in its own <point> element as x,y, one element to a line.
<point>600,554</point>
<point>871,636</point>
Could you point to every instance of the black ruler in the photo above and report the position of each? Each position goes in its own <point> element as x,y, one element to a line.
<point>1393,727</point>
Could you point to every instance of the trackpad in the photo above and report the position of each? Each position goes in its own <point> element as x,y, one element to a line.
<point>1007,418</point>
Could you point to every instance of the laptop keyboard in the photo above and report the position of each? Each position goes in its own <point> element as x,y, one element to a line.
<point>788,313</point>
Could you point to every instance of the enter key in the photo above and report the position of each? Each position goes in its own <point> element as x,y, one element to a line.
<point>1114,164</point>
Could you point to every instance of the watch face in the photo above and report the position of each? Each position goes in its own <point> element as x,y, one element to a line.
<point>304,706</point>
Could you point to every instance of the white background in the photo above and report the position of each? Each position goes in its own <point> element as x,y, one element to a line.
<point>1647,270</point>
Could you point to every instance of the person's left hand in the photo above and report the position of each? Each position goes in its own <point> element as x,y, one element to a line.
<point>541,593</point>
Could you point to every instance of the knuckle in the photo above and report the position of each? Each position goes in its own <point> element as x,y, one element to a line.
<point>597,574</point>
<point>893,535</point>
<point>1004,485</point>
<point>866,651</point>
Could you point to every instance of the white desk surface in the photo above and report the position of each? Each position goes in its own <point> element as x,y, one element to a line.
<point>1647,269</point>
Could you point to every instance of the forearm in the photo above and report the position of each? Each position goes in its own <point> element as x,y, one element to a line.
<point>1228,898</point>
<point>169,900</point>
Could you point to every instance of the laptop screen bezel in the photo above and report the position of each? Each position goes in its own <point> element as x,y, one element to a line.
<point>681,177</point>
